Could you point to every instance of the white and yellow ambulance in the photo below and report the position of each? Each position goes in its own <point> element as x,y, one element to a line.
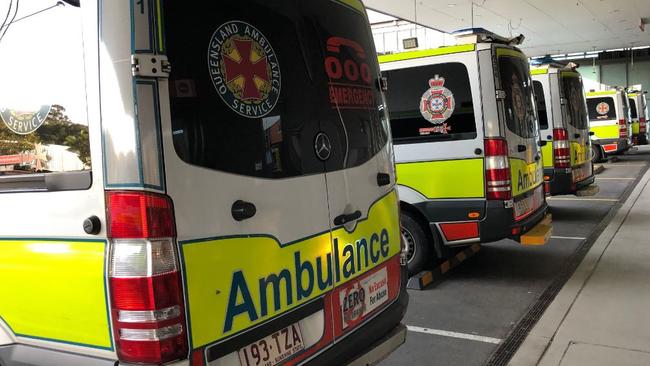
<point>466,138</point>
<point>638,114</point>
<point>609,120</point>
<point>564,126</point>
<point>196,184</point>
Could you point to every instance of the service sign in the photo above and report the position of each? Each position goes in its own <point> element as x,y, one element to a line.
<point>24,122</point>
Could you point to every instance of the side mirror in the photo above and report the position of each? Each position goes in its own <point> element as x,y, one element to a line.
<point>76,3</point>
<point>543,142</point>
<point>591,133</point>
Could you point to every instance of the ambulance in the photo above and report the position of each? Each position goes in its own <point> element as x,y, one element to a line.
<point>564,126</point>
<point>638,114</point>
<point>225,193</point>
<point>609,120</point>
<point>467,146</point>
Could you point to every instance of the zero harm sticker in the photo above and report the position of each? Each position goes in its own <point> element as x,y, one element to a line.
<point>244,69</point>
<point>437,105</point>
<point>24,122</point>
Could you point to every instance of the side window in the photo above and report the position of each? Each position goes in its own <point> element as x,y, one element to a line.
<point>601,108</point>
<point>541,105</point>
<point>519,109</point>
<point>431,103</point>
<point>633,111</point>
<point>43,119</point>
<point>573,92</point>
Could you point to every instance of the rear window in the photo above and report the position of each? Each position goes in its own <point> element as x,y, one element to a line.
<point>601,108</point>
<point>541,105</point>
<point>633,111</point>
<point>44,141</point>
<point>515,81</point>
<point>573,92</point>
<point>255,82</point>
<point>431,103</point>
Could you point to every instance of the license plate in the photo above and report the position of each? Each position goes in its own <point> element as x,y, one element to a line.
<point>529,204</point>
<point>581,173</point>
<point>273,349</point>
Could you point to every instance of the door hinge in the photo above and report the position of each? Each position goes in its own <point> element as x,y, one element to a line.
<point>148,65</point>
<point>501,94</point>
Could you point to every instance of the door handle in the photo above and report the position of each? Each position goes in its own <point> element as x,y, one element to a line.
<point>242,210</point>
<point>345,218</point>
<point>521,148</point>
<point>577,135</point>
<point>383,179</point>
<point>537,157</point>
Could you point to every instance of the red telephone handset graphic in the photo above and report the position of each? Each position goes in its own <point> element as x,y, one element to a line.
<point>334,45</point>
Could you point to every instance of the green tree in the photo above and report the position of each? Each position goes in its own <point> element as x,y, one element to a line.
<point>12,143</point>
<point>58,129</point>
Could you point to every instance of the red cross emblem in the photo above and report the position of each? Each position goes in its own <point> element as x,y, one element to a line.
<point>602,108</point>
<point>246,68</point>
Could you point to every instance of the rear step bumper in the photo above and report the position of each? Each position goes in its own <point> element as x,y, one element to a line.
<point>373,341</point>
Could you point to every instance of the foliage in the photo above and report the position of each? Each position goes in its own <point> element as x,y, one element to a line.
<point>58,129</point>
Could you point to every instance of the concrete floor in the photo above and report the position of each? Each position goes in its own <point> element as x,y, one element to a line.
<point>463,319</point>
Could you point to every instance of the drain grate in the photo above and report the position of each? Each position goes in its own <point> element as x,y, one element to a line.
<point>511,343</point>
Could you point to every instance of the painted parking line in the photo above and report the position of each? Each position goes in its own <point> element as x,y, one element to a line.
<point>623,165</point>
<point>614,178</point>
<point>568,237</point>
<point>582,199</point>
<point>445,333</point>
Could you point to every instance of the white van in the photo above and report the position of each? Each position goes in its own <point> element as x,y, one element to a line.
<point>232,200</point>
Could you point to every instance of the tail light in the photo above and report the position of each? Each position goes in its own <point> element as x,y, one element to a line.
<point>497,170</point>
<point>642,125</point>
<point>561,148</point>
<point>622,128</point>
<point>145,283</point>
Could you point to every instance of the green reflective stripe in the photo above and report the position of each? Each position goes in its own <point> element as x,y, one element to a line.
<point>444,179</point>
<point>161,39</point>
<point>426,53</point>
<point>538,71</point>
<point>600,93</point>
<point>354,4</point>
<point>547,155</point>
<point>569,74</point>
<point>510,53</point>
<point>606,132</point>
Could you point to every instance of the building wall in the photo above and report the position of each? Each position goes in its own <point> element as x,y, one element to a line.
<point>617,73</point>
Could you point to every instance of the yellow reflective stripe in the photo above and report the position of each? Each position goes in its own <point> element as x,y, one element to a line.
<point>570,74</point>
<point>161,39</point>
<point>426,53</point>
<point>631,95</point>
<point>525,177</point>
<point>600,93</point>
<point>606,132</point>
<point>547,155</point>
<point>636,127</point>
<point>55,290</point>
<point>354,4</point>
<point>241,271</point>
<point>501,51</point>
<point>538,71</point>
<point>444,179</point>
<point>579,154</point>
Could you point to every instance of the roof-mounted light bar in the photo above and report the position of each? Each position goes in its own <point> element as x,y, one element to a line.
<point>481,35</point>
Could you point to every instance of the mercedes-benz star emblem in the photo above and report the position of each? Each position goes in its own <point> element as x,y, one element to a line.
<point>322,146</point>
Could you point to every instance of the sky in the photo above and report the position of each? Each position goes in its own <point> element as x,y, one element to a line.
<point>41,59</point>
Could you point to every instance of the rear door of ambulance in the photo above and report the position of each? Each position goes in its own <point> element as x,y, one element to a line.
<point>603,121</point>
<point>542,85</point>
<point>521,131</point>
<point>246,96</point>
<point>574,110</point>
<point>52,273</point>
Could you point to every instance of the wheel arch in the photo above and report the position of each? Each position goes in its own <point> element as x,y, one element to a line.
<point>408,199</point>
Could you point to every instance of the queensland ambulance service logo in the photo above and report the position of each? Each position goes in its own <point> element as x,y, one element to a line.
<point>24,122</point>
<point>602,108</point>
<point>437,104</point>
<point>244,69</point>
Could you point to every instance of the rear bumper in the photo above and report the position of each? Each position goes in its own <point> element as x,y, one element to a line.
<point>500,223</point>
<point>23,355</point>
<point>561,181</point>
<point>373,341</point>
<point>614,146</point>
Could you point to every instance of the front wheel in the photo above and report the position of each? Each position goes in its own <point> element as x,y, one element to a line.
<point>418,245</point>
<point>596,154</point>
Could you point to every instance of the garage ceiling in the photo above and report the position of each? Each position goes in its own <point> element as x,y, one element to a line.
<point>550,26</point>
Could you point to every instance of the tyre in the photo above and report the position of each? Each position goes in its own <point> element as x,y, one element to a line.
<point>596,154</point>
<point>418,244</point>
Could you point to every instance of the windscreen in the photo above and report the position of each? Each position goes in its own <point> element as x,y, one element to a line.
<point>430,103</point>
<point>542,112</point>
<point>255,82</point>
<point>514,77</point>
<point>573,92</point>
<point>633,111</point>
<point>601,108</point>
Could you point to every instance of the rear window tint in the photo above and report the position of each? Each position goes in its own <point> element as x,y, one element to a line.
<point>431,103</point>
<point>514,77</point>
<point>254,82</point>
<point>542,112</point>
<point>573,92</point>
<point>633,111</point>
<point>601,108</point>
<point>43,119</point>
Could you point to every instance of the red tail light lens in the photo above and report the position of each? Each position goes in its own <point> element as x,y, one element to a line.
<point>642,125</point>
<point>622,128</point>
<point>145,283</point>
<point>497,170</point>
<point>561,148</point>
